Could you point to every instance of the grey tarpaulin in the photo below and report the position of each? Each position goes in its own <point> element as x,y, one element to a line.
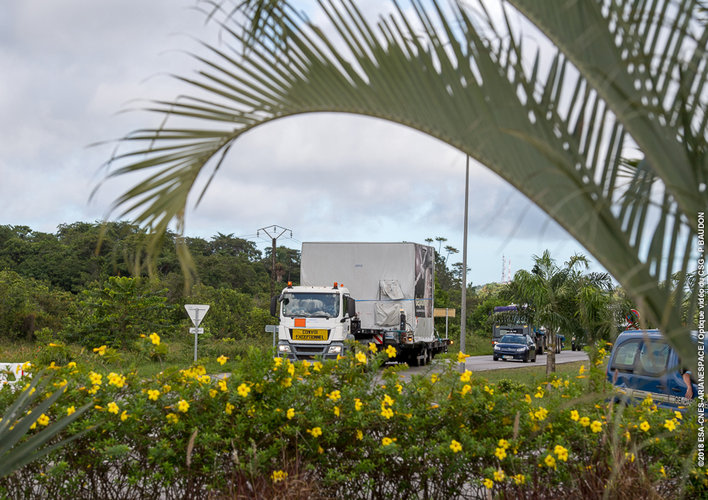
<point>384,276</point>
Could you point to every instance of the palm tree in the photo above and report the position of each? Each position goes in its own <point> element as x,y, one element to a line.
<point>548,289</point>
<point>607,134</point>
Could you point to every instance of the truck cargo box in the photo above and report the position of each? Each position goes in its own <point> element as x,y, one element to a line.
<point>383,278</point>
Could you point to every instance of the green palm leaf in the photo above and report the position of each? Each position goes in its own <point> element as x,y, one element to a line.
<point>625,77</point>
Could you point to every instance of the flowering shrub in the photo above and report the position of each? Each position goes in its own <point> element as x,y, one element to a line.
<point>346,428</point>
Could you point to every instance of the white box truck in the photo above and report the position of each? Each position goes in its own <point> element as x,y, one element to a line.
<point>379,293</point>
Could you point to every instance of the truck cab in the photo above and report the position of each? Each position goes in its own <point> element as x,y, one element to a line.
<point>314,321</point>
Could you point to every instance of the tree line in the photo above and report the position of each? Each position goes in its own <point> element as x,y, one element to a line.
<point>95,282</point>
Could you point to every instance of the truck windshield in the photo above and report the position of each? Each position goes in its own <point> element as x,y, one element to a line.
<point>311,305</point>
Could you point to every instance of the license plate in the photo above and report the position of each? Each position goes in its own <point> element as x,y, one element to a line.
<point>310,334</point>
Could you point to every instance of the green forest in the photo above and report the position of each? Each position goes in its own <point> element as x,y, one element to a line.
<point>93,284</point>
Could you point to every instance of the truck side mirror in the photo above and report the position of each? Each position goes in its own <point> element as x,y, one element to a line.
<point>351,307</point>
<point>273,305</point>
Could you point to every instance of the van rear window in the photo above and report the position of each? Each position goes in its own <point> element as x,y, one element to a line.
<point>625,355</point>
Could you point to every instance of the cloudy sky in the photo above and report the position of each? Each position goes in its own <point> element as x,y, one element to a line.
<point>72,68</point>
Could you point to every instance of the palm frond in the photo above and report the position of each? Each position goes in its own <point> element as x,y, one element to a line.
<point>624,75</point>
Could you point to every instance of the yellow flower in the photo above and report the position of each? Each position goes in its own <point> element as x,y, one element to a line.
<point>527,398</point>
<point>581,370</point>
<point>387,400</point>
<point>278,475</point>
<point>182,406</point>
<point>172,418</point>
<point>488,483</point>
<point>243,390</point>
<point>70,410</point>
<point>361,357</point>
<point>113,408</point>
<point>596,426</point>
<point>519,479</point>
<point>290,413</point>
<point>461,357</point>
<point>291,368</point>
<point>95,378</point>
<point>43,420</point>
<point>629,456</point>
<point>500,453</point>
<point>670,425</point>
<point>434,378</point>
<point>229,408</point>
<point>222,385</point>
<point>124,416</point>
<point>504,444</point>
<point>584,421</point>
<point>222,359</point>
<point>645,426</point>
<point>155,338</point>
<point>318,392</point>
<point>499,476</point>
<point>116,379</point>
<point>540,414</point>
<point>539,394</point>
<point>372,347</point>
<point>334,395</point>
<point>317,366</point>
<point>678,415</point>
<point>488,390</point>
<point>357,404</point>
<point>26,366</point>
<point>315,432</point>
<point>359,434</point>
<point>100,350</point>
<point>387,441</point>
<point>286,382</point>
<point>455,446</point>
<point>550,461</point>
<point>561,453</point>
<point>465,389</point>
<point>391,351</point>
<point>153,394</point>
<point>663,471</point>
<point>387,412</point>
<point>277,362</point>
<point>466,375</point>
<point>71,365</point>
<point>399,388</point>
<point>336,411</point>
<point>574,415</point>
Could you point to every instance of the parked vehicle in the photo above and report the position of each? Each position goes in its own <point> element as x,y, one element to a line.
<point>380,293</point>
<point>515,346</point>
<point>643,364</point>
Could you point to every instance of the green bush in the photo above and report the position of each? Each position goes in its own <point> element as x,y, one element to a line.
<point>118,311</point>
<point>346,428</point>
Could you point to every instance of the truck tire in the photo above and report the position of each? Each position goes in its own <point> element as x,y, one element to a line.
<point>494,357</point>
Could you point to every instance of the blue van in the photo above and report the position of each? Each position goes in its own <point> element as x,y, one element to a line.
<point>643,364</point>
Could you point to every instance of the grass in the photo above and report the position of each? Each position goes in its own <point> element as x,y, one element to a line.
<point>532,375</point>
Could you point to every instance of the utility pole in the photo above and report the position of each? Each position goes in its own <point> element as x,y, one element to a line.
<point>274,232</point>
<point>463,305</point>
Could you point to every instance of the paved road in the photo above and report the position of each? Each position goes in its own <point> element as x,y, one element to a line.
<point>485,363</point>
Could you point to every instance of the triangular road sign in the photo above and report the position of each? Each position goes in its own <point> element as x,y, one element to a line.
<point>196,312</point>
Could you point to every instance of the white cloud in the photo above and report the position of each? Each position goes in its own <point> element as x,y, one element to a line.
<point>73,65</point>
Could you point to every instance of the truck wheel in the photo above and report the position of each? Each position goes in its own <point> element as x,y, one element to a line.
<point>495,358</point>
<point>526,358</point>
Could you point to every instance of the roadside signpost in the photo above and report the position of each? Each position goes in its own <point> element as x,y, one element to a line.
<point>444,312</point>
<point>196,313</point>
<point>272,329</point>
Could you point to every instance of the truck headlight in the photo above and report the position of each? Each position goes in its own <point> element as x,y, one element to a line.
<point>283,348</point>
<point>496,347</point>
<point>335,349</point>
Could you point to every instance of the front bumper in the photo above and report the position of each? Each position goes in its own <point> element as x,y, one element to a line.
<point>296,351</point>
